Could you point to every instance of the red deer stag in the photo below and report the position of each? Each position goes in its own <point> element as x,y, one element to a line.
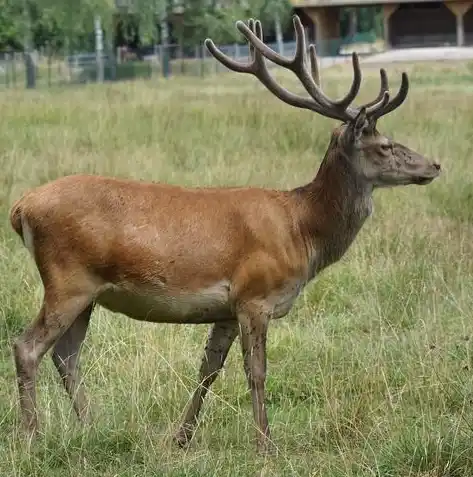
<point>233,257</point>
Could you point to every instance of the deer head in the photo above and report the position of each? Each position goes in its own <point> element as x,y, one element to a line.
<point>374,158</point>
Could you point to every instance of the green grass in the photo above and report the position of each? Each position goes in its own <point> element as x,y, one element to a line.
<point>370,374</point>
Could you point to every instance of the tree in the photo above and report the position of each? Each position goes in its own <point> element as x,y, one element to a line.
<point>74,19</point>
<point>205,18</point>
<point>361,20</point>
<point>69,23</point>
<point>11,24</point>
<point>269,10</point>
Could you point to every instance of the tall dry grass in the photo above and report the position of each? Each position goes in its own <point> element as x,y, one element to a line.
<point>370,374</point>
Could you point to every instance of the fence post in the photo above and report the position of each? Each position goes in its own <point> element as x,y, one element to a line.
<point>27,56</point>
<point>197,58</point>
<point>204,56</point>
<point>164,44</point>
<point>13,68</point>
<point>165,60</point>
<point>49,60</point>
<point>157,57</point>
<point>164,54</point>
<point>111,60</point>
<point>7,61</point>
<point>99,48</point>
<point>279,37</point>
<point>181,58</point>
<point>59,65</point>
<point>154,57</point>
<point>30,70</point>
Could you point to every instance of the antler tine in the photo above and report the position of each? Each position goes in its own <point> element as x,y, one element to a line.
<point>396,101</point>
<point>314,65</point>
<point>230,63</point>
<point>226,60</point>
<point>370,111</point>
<point>383,89</point>
<point>252,25</point>
<point>257,42</point>
<point>355,85</point>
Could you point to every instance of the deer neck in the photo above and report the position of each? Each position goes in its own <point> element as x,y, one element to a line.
<point>335,206</point>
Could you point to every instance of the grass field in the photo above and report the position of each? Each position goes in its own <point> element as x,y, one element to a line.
<point>370,374</point>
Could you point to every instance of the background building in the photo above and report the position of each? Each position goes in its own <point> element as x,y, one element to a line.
<point>406,23</point>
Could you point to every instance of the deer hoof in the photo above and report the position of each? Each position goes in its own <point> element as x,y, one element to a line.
<point>266,449</point>
<point>183,437</point>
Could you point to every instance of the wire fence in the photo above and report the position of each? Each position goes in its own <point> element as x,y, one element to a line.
<point>49,69</point>
<point>52,69</point>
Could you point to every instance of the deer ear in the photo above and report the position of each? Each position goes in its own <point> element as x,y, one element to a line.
<point>355,128</point>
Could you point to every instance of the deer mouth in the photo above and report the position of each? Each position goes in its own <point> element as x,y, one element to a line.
<point>428,178</point>
<point>424,180</point>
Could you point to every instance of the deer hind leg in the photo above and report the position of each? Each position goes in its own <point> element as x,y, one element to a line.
<point>57,314</point>
<point>65,357</point>
<point>219,342</point>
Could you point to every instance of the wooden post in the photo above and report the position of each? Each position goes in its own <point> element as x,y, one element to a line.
<point>460,31</point>
<point>459,9</point>
<point>327,27</point>
<point>388,10</point>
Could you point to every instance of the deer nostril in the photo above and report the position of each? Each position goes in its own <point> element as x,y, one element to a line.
<point>437,165</point>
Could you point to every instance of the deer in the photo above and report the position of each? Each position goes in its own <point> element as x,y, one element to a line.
<point>235,258</point>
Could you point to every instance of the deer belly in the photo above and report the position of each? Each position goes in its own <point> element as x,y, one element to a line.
<point>205,306</point>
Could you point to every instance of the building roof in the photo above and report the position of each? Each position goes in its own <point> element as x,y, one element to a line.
<point>328,3</point>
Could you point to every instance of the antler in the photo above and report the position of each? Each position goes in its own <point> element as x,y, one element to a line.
<point>319,102</point>
<point>258,68</point>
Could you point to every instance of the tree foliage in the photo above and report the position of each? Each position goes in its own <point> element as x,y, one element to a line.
<point>204,18</point>
<point>11,24</point>
<point>367,19</point>
<point>49,22</point>
<point>70,23</point>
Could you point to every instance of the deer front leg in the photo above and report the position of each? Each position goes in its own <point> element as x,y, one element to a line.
<point>218,345</point>
<point>253,324</point>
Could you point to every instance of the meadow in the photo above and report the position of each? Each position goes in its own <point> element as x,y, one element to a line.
<point>369,375</point>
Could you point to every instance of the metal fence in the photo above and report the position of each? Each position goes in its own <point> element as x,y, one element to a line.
<point>81,68</point>
<point>56,69</point>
